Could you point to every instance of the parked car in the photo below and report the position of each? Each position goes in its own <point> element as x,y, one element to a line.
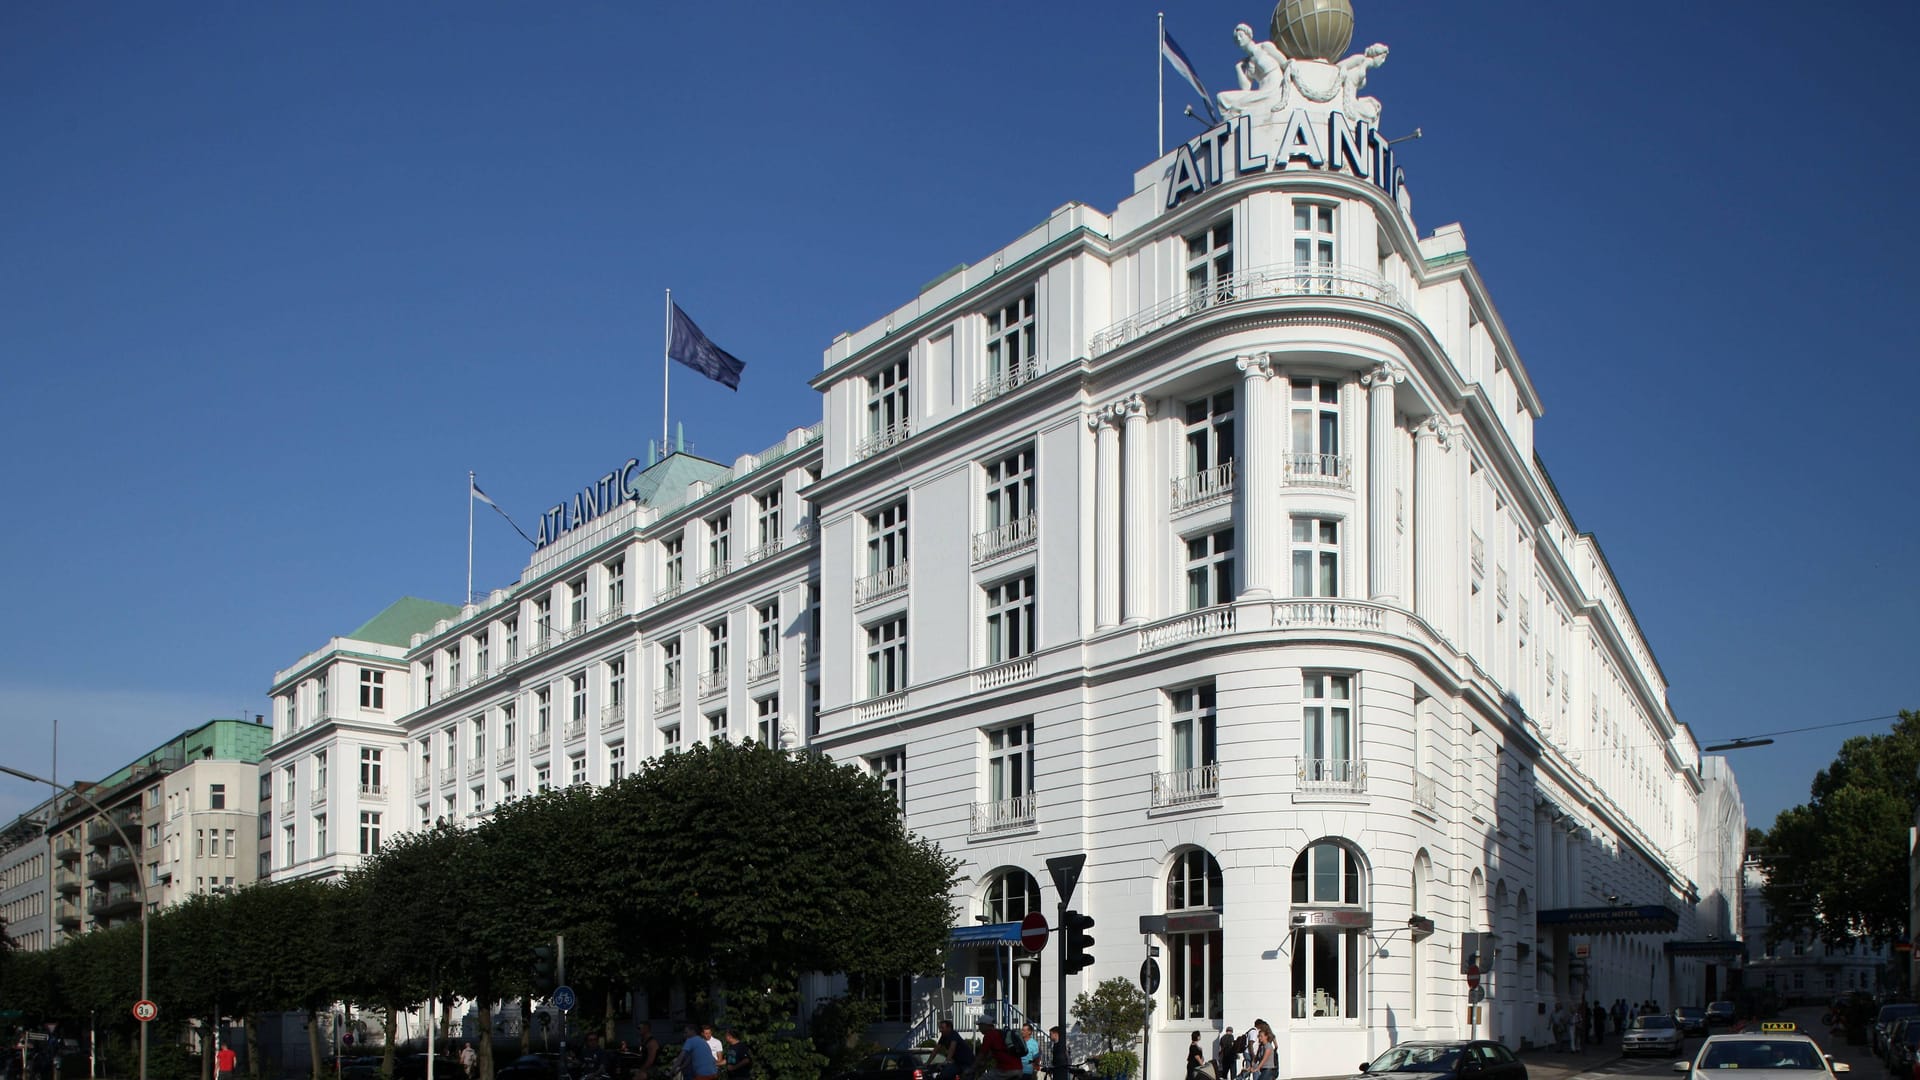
<point>1720,1013</point>
<point>1691,1018</point>
<point>910,1064</point>
<point>1653,1033</point>
<point>1883,1022</point>
<point>1480,1058</point>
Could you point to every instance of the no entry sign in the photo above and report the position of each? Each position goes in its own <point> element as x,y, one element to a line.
<point>1033,931</point>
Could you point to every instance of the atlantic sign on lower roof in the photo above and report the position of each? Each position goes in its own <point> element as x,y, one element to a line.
<point>1235,149</point>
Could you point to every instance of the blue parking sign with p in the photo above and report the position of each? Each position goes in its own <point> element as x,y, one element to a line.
<point>976,988</point>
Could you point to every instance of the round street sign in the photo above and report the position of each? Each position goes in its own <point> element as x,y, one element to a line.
<point>1033,931</point>
<point>564,999</point>
<point>1473,976</point>
<point>1150,975</point>
<point>144,1010</point>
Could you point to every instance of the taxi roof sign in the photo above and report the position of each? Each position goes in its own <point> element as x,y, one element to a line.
<point>1779,1025</point>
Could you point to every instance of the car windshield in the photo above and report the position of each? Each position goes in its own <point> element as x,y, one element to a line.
<point>1688,1011</point>
<point>1758,1054</point>
<point>1651,1023</point>
<point>1417,1059</point>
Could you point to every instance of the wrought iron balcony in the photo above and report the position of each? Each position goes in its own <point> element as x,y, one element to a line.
<point>318,795</point>
<point>889,581</point>
<point>667,697</point>
<point>1203,488</point>
<point>1305,468</point>
<point>1425,791</point>
<point>1000,815</point>
<point>373,791</point>
<point>717,571</point>
<point>763,667</point>
<point>614,715</point>
<point>1003,382</point>
<point>1260,283</point>
<point>1184,786</point>
<point>713,683</point>
<point>1332,775</point>
<point>1016,535</point>
<point>882,439</point>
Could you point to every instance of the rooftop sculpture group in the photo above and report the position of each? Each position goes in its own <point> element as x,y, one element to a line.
<point>1276,79</point>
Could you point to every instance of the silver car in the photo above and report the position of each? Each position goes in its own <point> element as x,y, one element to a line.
<point>1651,1035</point>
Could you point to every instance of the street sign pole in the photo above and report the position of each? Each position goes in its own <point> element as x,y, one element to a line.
<point>560,973</point>
<point>1066,874</point>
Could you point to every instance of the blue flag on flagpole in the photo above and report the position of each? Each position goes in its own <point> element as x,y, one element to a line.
<point>691,347</point>
<point>1178,58</point>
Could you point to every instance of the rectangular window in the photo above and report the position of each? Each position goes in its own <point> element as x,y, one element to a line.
<point>1010,762</point>
<point>670,739</point>
<point>813,709</point>
<point>217,793</point>
<point>453,668</point>
<point>1315,419</point>
<point>293,709</point>
<point>1312,236</point>
<point>616,763</point>
<point>477,799</point>
<point>482,655</point>
<point>287,784</point>
<point>320,771</point>
<point>510,627</point>
<point>887,657</point>
<point>199,843</point>
<point>543,622</point>
<point>1010,489</point>
<point>673,566</point>
<point>1010,623</point>
<point>1210,436</point>
<point>507,712</point>
<point>887,538</point>
<point>616,587</point>
<point>616,683</point>
<point>766,521</point>
<point>1011,345</point>
<point>1326,732</point>
<point>888,407</point>
<point>719,543</point>
<point>813,619</point>
<point>717,650</point>
<point>767,636</point>
<point>230,843</point>
<point>1210,570</point>
<point>543,779</point>
<point>670,665</point>
<point>717,726</point>
<point>286,845</point>
<point>767,721</point>
<point>320,836</point>
<point>320,698</point>
<point>577,690</point>
<point>576,603</point>
<point>479,738</point>
<point>1193,744</point>
<point>577,769</point>
<point>369,832</point>
<point>1210,264</point>
<point>891,768</point>
<point>542,712</point>
<point>1316,556</point>
<point>371,780</point>
<point>506,789</point>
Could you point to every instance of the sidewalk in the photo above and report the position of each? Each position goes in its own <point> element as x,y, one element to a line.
<point>1544,1063</point>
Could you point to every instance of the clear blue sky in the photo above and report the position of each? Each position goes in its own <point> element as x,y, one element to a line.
<point>274,277</point>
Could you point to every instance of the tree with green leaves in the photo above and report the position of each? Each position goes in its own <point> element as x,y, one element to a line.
<point>1116,1011</point>
<point>1836,866</point>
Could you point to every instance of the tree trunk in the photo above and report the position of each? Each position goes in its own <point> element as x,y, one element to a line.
<point>484,1036</point>
<point>393,1028</point>
<point>208,1045</point>
<point>446,1019</point>
<point>252,1029</point>
<point>313,1042</point>
<point>526,1026</point>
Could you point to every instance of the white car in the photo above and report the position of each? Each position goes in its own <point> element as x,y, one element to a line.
<point>1651,1035</point>
<point>1776,1052</point>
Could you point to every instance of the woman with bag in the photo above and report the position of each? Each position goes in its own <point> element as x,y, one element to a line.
<point>1266,1064</point>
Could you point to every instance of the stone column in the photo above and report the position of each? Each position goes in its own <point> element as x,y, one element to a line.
<point>1383,563</point>
<point>1106,517</point>
<point>1258,469</point>
<point>1433,570</point>
<point>1137,472</point>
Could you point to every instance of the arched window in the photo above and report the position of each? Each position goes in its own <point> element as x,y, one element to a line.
<point>1195,980</point>
<point>1326,946</point>
<point>1010,895</point>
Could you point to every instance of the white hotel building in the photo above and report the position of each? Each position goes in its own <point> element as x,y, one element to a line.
<point>1205,537</point>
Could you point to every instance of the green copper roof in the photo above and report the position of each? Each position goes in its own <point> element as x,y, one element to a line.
<point>404,618</point>
<point>663,485</point>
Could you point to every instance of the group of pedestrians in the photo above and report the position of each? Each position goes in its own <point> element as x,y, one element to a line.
<point>1587,1024</point>
<point>704,1057</point>
<point>1254,1055</point>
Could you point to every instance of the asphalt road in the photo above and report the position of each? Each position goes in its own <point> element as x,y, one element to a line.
<point>1864,1065</point>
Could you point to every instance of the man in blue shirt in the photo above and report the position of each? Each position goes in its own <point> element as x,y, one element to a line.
<point>696,1057</point>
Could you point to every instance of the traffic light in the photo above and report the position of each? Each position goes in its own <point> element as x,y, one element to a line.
<point>1075,957</point>
<point>543,980</point>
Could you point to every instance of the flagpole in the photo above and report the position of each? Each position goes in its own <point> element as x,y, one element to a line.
<point>666,374</point>
<point>469,598</point>
<point>1160,72</point>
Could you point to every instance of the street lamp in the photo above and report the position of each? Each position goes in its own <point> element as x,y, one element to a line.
<point>138,878</point>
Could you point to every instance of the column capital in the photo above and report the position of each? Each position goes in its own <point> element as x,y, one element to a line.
<point>1384,375</point>
<point>1433,428</point>
<point>1131,407</point>
<point>1255,366</point>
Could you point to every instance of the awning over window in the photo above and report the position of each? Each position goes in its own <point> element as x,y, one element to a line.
<point>984,936</point>
<point>1711,947</point>
<point>1645,919</point>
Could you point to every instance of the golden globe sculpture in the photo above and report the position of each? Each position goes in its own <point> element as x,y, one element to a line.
<point>1313,29</point>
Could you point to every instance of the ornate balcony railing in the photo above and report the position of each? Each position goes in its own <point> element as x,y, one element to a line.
<point>477,764</point>
<point>713,683</point>
<point>1477,551</point>
<point>765,551</point>
<point>667,697</point>
<point>1204,488</point>
<point>422,784</point>
<point>716,571</point>
<point>1005,674</point>
<point>612,614</point>
<point>614,715</point>
<point>1308,469</point>
<point>374,791</point>
<point>890,581</point>
<point>1006,381</point>
<point>1330,614</point>
<point>1260,283</point>
<point>504,757</point>
<point>668,590</point>
<point>1425,792</point>
<point>763,667</point>
<point>1183,786</point>
<point>999,815</point>
<point>1205,623</point>
<point>1332,774</point>
<point>882,439</point>
<point>1015,535</point>
<point>318,796</point>
<point>449,774</point>
<point>575,729</point>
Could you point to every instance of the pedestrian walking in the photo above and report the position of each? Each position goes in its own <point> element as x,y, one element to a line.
<point>1002,1061</point>
<point>696,1061</point>
<point>1196,1057</point>
<point>469,1061</point>
<point>739,1057</point>
<point>1226,1055</point>
<point>225,1061</point>
<point>1267,1065</point>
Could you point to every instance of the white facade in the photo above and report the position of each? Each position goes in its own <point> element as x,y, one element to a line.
<point>1803,968</point>
<point>1205,537</point>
